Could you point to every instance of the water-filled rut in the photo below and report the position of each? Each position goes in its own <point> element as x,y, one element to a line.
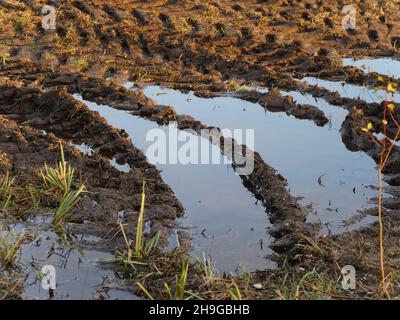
<point>222,216</point>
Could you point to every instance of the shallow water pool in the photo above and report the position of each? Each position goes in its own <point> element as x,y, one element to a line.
<point>313,159</point>
<point>221,215</point>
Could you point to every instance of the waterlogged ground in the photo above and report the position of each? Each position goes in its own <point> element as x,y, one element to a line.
<point>221,215</point>
<point>224,219</point>
<point>386,66</point>
<point>352,91</point>
<point>314,160</point>
<point>213,49</point>
<point>82,270</point>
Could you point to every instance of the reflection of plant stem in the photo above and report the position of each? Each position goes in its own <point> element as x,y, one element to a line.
<point>139,229</point>
<point>126,242</point>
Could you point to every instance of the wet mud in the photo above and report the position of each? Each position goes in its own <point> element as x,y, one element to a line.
<point>212,49</point>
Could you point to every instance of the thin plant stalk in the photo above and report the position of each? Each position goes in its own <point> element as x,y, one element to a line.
<point>126,241</point>
<point>381,248</point>
<point>139,229</point>
<point>145,291</point>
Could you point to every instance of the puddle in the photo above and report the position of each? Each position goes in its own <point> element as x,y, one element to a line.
<point>220,213</point>
<point>79,273</point>
<point>335,115</point>
<point>352,91</point>
<point>385,66</point>
<point>88,150</point>
<point>301,151</point>
<point>84,148</point>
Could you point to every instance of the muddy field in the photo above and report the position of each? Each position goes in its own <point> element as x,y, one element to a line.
<point>111,71</point>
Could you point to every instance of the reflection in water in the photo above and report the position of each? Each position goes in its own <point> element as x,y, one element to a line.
<point>301,151</point>
<point>226,222</point>
<point>351,90</point>
<point>385,66</point>
<point>79,275</point>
